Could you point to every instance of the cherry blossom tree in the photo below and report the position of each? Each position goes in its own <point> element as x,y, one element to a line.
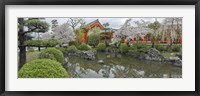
<point>130,30</point>
<point>172,27</point>
<point>64,33</point>
<point>47,36</point>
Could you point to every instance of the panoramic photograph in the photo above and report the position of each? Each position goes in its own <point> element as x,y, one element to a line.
<point>100,47</point>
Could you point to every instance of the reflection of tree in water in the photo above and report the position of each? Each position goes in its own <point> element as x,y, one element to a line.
<point>126,72</point>
<point>75,70</point>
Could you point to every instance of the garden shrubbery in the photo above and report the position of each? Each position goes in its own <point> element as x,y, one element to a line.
<point>72,49</point>
<point>62,49</point>
<point>42,43</point>
<point>176,48</point>
<point>101,47</point>
<point>161,48</point>
<point>42,68</point>
<point>124,48</point>
<point>93,40</point>
<point>141,47</point>
<point>52,53</point>
<point>83,46</point>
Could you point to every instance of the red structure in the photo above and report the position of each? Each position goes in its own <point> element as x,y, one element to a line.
<point>90,26</point>
<point>146,38</point>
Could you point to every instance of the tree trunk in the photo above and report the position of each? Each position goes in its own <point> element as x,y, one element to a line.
<point>22,48</point>
<point>22,56</point>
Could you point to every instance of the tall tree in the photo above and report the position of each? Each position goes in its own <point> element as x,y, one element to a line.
<point>154,26</point>
<point>64,33</point>
<point>54,23</point>
<point>173,28</point>
<point>33,25</point>
<point>74,22</point>
<point>138,29</point>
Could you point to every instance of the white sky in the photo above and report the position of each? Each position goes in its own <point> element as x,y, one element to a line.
<point>113,22</point>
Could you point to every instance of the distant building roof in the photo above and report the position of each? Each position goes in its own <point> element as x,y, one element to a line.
<point>93,22</point>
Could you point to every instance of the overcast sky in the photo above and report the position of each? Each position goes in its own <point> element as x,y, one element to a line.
<point>113,22</point>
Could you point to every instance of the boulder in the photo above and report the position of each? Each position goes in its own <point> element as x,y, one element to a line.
<point>90,55</point>
<point>176,61</point>
<point>152,54</point>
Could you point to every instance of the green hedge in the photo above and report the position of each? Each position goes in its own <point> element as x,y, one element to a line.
<point>72,49</point>
<point>83,46</point>
<point>161,48</point>
<point>62,49</point>
<point>42,68</point>
<point>52,53</point>
<point>42,43</point>
<point>124,48</point>
<point>93,39</point>
<point>101,47</point>
<point>176,48</point>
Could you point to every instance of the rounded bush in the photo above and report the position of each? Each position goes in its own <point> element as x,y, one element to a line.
<point>176,48</point>
<point>83,46</point>
<point>133,47</point>
<point>42,68</point>
<point>63,50</point>
<point>101,47</point>
<point>141,45</point>
<point>161,48</point>
<point>124,48</point>
<point>72,49</point>
<point>93,40</point>
<point>52,53</point>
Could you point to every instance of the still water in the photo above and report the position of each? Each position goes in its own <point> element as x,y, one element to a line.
<point>120,66</point>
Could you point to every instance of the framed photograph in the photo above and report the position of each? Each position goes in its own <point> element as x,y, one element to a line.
<point>105,47</point>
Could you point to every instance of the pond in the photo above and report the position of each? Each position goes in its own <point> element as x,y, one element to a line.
<point>120,66</point>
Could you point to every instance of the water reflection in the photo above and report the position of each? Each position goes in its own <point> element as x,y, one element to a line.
<point>117,66</point>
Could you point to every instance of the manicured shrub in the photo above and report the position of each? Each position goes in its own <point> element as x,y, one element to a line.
<point>83,46</point>
<point>63,50</point>
<point>72,49</point>
<point>133,47</point>
<point>161,48</point>
<point>93,40</point>
<point>101,47</point>
<point>42,43</point>
<point>124,48</point>
<point>52,53</point>
<point>42,68</point>
<point>141,47</point>
<point>176,48</point>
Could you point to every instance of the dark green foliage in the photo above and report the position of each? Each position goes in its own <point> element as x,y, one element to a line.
<point>176,48</point>
<point>161,48</point>
<point>42,68</point>
<point>42,43</point>
<point>42,26</point>
<point>133,47</point>
<point>93,40</point>
<point>83,46</point>
<point>72,49</point>
<point>101,47</point>
<point>142,47</point>
<point>52,53</point>
<point>124,48</point>
<point>139,48</point>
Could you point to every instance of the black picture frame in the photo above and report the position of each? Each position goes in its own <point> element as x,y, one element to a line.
<point>3,3</point>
